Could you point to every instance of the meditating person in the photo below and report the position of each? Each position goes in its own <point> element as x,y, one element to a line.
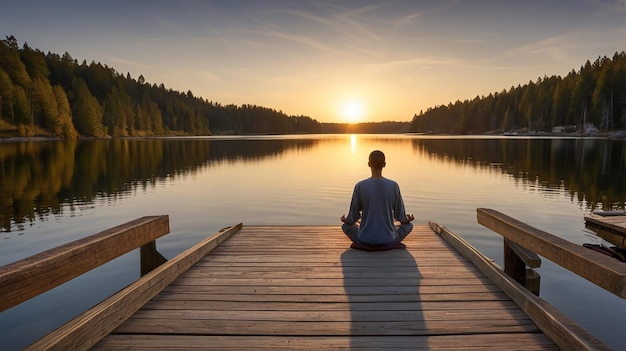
<point>376,203</point>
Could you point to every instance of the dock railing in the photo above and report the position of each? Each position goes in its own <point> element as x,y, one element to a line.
<point>561,329</point>
<point>522,244</point>
<point>34,275</point>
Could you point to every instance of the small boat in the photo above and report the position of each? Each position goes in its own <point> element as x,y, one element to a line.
<point>613,251</point>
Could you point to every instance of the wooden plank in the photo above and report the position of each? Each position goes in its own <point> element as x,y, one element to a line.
<point>209,304</point>
<point>325,271</point>
<point>495,342</point>
<point>599,269</point>
<point>499,296</point>
<point>409,277</point>
<point>310,260</point>
<point>27,278</point>
<point>567,334</point>
<point>174,318</point>
<point>368,327</point>
<point>188,291</point>
<point>87,329</point>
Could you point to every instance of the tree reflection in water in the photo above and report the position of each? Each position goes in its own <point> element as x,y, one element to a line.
<point>592,171</point>
<point>42,178</point>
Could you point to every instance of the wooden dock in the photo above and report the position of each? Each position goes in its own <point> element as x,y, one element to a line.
<point>302,287</point>
<point>610,227</point>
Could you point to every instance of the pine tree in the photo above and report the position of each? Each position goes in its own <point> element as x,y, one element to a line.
<point>87,113</point>
<point>10,61</point>
<point>7,97</point>
<point>65,126</point>
<point>44,106</point>
<point>22,112</point>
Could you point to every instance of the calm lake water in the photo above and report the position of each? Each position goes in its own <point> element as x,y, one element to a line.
<point>55,192</point>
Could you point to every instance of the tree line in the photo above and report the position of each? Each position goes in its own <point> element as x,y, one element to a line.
<point>385,127</point>
<point>55,95</point>
<point>595,94</point>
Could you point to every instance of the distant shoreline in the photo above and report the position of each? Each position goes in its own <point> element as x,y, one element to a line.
<point>619,134</point>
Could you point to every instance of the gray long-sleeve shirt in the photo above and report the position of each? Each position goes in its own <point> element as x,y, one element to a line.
<point>377,202</point>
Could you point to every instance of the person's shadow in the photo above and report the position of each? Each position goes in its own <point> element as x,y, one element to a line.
<point>382,289</point>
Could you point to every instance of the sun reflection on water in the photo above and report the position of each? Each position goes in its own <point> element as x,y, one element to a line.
<point>353,142</point>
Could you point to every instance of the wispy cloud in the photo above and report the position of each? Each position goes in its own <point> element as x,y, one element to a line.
<point>121,61</point>
<point>406,21</point>
<point>420,62</point>
<point>561,47</point>
<point>332,27</point>
<point>274,30</point>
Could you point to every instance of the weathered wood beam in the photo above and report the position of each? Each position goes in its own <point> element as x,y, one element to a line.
<point>150,258</point>
<point>516,258</point>
<point>599,269</point>
<point>34,275</point>
<point>514,266</point>
<point>529,258</point>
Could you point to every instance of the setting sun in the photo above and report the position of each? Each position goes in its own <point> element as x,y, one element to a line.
<point>353,111</point>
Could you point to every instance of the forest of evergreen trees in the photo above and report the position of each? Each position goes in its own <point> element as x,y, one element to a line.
<point>53,95</point>
<point>595,94</point>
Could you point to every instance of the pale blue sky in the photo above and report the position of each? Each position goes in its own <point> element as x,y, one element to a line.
<point>394,58</point>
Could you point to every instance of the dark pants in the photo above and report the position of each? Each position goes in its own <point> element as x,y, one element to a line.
<point>352,230</point>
